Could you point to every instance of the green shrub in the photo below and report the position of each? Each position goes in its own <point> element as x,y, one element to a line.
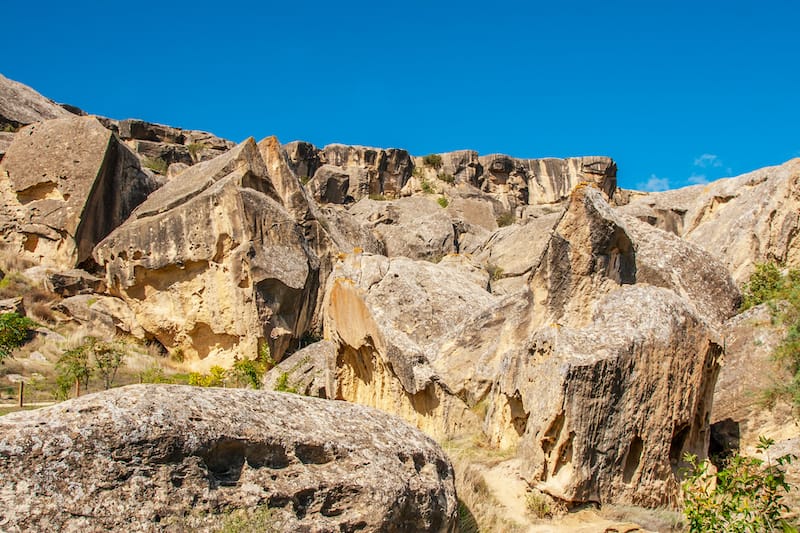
<point>432,160</point>
<point>261,519</point>
<point>443,202</point>
<point>108,358</point>
<point>506,219</point>
<point>247,373</point>
<point>282,384</point>
<point>744,496</point>
<point>765,284</point>
<point>195,148</point>
<point>73,368</point>
<point>377,197</point>
<point>445,177</point>
<point>305,179</point>
<point>14,331</point>
<point>426,187</point>
<point>153,374</point>
<point>538,504</point>
<point>214,378</point>
<point>156,164</point>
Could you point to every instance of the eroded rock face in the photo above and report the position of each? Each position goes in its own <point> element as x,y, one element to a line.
<point>172,458</point>
<point>213,263</point>
<point>67,183</point>
<point>599,399</point>
<point>20,105</point>
<point>744,220</point>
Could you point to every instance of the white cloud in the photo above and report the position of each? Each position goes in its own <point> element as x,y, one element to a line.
<point>654,184</point>
<point>698,179</point>
<point>708,160</point>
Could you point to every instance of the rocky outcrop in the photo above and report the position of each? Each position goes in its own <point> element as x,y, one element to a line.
<point>20,105</point>
<point>67,183</point>
<point>744,220</point>
<point>414,227</point>
<point>175,458</point>
<point>213,264</point>
<point>309,371</point>
<point>598,399</point>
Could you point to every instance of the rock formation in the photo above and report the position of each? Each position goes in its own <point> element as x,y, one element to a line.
<point>66,184</point>
<point>213,262</point>
<point>20,105</point>
<point>177,458</point>
<point>753,218</point>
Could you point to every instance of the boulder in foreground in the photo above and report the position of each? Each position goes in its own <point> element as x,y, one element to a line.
<point>167,457</point>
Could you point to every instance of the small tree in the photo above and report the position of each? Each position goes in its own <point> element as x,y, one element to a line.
<point>14,331</point>
<point>108,357</point>
<point>432,160</point>
<point>744,496</point>
<point>73,368</point>
<point>246,372</point>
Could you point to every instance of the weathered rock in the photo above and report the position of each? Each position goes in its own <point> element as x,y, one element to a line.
<point>389,319</point>
<point>166,152</point>
<point>330,185</point>
<point>415,227</point>
<point>176,168</point>
<point>12,305</point>
<point>212,263</point>
<point>303,158</point>
<point>146,131</point>
<point>68,182</point>
<point>6,138</point>
<point>309,371</point>
<point>175,458</point>
<point>744,220</point>
<point>104,316</point>
<point>20,105</point>
<point>72,282</point>
<point>627,395</point>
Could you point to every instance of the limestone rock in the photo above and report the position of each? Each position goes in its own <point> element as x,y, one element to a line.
<point>72,282</point>
<point>212,262</point>
<point>415,227</point>
<point>145,131</point>
<point>309,371</point>
<point>20,105</point>
<point>155,151</point>
<point>176,458</point>
<point>303,157</point>
<point>105,316</point>
<point>68,182</point>
<point>6,138</point>
<point>330,185</point>
<point>744,220</point>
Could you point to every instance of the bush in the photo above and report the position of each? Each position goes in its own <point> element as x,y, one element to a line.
<point>765,284</point>
<point>73,368</point>
<point>282,384</point>
<point>445,177</point>
<point>247,373</point>
<point>426,187</point>
<point>538,504</point>
<point>744,496</point>
<point>108,358</point>
<point>14,331</point>
<point>432,160</point>
<point>506,219</point>
<point>443,202</point>
<point>156,164</point>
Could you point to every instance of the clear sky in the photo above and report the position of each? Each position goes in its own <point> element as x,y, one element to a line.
<point>677,92</point>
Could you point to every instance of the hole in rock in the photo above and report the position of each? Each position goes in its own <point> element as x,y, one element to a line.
<point>632,459</point>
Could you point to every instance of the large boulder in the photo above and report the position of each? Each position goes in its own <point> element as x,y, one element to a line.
<point>177,458</point>
<point>414,227</point>
<point>212,263</point>
<point>67,183</point>
<point>753,218</point>
<point>20,105</point>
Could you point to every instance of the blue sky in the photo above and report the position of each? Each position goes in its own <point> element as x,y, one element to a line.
<point>676,92</point>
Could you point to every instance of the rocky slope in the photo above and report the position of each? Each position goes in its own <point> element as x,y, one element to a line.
<point>523,304</point>
<point>172,458</point>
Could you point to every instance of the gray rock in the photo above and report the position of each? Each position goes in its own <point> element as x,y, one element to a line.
<point>309,371</point>
<point>415,227</point>
<point>72,282</point>
<point>330,185</point>
<point>303,157</point>
<point>146,131</point>
<point>12,305</point>
<point>20,105</point>
<point>172,458</point>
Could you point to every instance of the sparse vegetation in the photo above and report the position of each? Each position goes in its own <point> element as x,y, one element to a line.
<point>73,369</point>
<point>194,149</point>
<point>442,201</point>
<point>781,292</point>
<point>262,518</point>
<point>377,197</point>
<point>156,164</point>
<point>433,161</point>
<point>506,219</point>
<point>495,272</point>
<point>445,177</point>
<point>305,179</point>
<point>214,378</point>
<point>426,187</point>
<point>14,331</point>
<point>538,504</point>
<point>108,357</point>
<point>282,384</point>
<point>246,373</point>
<point>746,495</point>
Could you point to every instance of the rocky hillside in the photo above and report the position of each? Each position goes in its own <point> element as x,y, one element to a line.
<point>525,306</point>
